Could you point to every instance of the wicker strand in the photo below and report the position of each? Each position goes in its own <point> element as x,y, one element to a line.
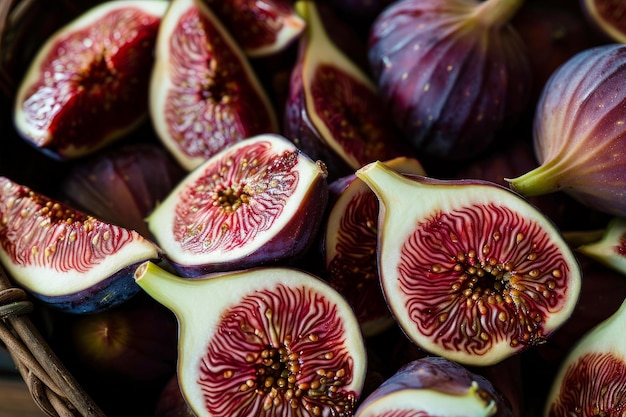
<point>51,386</point>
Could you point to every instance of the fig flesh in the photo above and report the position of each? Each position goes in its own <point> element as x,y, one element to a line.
<point>65,258</point>
<point>333,111</point>
<point>204,94</point>
<point>86,86</point>
<point>471,271</point>
<point>578,126</point>
<point>256,202</point>
<point>592,377</point>
<point>350,240</point>
<point>260,27</point>
<point>263,341</point>
<point>434,386</point>
<point>454,72</point>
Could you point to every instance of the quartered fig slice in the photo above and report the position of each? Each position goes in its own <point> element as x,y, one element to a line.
<point>262,341</point>
<point>592,377</point>
<point>65,258</point>
<point>471,271</point>
<point>350,241</point>
<point>204,94</point>
<point>260,27</point>
<point>333,111</point>
<point>258,201</point>
<point>87,87</point>
<point>434,386</point>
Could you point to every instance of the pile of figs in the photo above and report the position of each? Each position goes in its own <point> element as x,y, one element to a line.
<point>322,208</point>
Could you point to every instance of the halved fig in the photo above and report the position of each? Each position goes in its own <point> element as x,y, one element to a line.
<point>258,201</point>
<point>471,271</point>
<point>260,27</point>
<point>333,111</point>
<point>204,94</point>
<point>434,386</point>
<point>454,73</point>
<point>262,341</point>
<point>591,379</point>
<point>65,258</point>
<point>350,240</point>
<point>87,85</point>
<point>123,185</point>
<point>608,17</point>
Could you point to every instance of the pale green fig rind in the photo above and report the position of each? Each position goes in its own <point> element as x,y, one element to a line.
<point>609,249</point>
<point>406,201</point>
<point>430,402</point>
<point>199,304</point>
<point>605,338</point>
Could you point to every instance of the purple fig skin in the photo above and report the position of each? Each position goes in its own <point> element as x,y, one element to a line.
<point>580,132</point>
<point>441,375</point>
<point>454,73</point>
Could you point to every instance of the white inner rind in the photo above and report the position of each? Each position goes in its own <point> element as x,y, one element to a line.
<point>407,202</point>
<point>429,402</point>
<point>161,221</point>
<point>199,305</point>
<point>38,136</point>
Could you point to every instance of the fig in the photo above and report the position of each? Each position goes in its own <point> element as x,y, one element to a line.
<point>610,248</point>
<point>262,341</point>
<point>170,401</point>
<point>591,379</point>
<point>350,240</point>
<point>258,201</point>
<point>334,111</point>
<point>578,126</point>
<point>453,72</point>
<point>123,185</point>
<point>434,386</point>
<point>86,87</point>
<point>608,17</point>
<point>65,258</point>
<point>260,27</point>
<point>204,94</point>
<point>471,271</point>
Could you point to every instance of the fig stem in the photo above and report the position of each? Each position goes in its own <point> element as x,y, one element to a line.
<point>162,285</point>
<point>496,13</point>
<point>539,181</point>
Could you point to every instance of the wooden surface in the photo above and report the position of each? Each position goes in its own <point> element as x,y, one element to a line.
<point>15,400</point>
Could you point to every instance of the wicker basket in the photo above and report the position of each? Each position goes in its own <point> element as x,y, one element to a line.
<point>24,25</point>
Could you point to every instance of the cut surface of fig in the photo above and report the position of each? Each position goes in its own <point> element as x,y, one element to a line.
<point>69,260</point>
<point>260,27</point>
<point>471,271</point>
<point>592,377</point>
<point>334,111</point>
<point>608,16</point>
<point>262,341</point>
<point>87,85</point>
<point>204,94</point>
<point>434,386</point>
<point>350,241</point>
<point>258,201</point>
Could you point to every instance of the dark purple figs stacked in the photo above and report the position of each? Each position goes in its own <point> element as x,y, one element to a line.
<point>245,153</point>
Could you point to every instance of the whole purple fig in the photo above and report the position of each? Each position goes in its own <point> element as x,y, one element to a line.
<point>453,72</point>
<point>580,132</point>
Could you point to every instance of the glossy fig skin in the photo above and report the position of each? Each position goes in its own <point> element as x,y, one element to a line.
<point>453,72</point>
<point>579,132</point>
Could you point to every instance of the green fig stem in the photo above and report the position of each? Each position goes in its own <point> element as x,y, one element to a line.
<point>496,13</point>
<point>162,285</point>
<point>577,238</point>
<point>540,181</point>
<point>379,177</point>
